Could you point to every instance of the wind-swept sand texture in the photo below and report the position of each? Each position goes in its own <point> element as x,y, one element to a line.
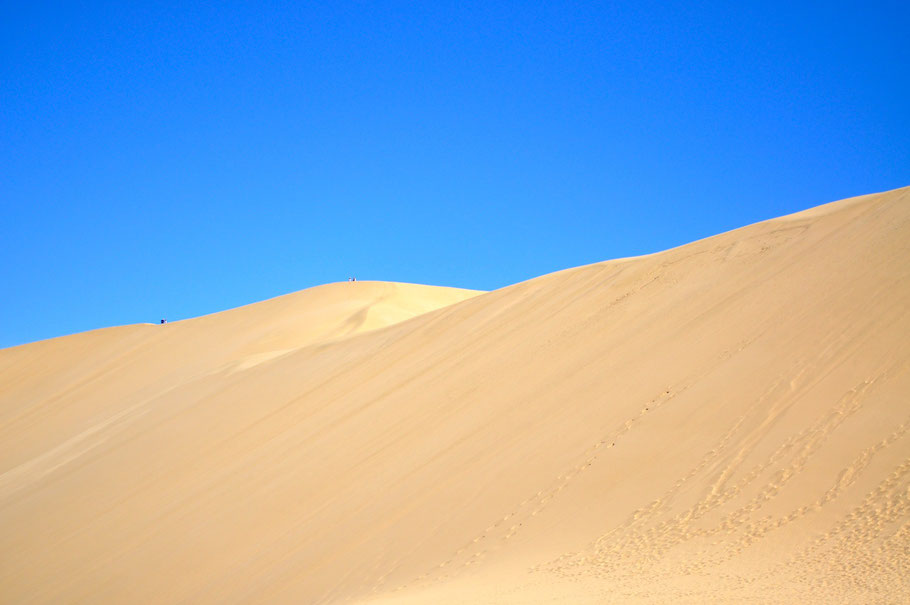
<point>722,422</point>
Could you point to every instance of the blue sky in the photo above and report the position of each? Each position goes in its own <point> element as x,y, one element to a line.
<point>172,160</point>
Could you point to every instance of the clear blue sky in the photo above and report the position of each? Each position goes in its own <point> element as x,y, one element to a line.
<point>171,160</point>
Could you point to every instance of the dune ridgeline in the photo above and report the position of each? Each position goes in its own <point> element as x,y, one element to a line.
<point>727,421</point>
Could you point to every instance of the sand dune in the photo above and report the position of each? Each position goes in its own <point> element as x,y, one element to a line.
<point>726,421</point>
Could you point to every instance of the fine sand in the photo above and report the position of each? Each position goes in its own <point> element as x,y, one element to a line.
<point>727,421</point>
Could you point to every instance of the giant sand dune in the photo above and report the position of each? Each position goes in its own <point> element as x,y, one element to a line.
<point>727,421</point>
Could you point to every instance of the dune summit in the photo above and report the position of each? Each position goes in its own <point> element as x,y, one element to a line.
<point>726,421</point>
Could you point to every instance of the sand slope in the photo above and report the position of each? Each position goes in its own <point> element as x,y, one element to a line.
<point>726,421</point>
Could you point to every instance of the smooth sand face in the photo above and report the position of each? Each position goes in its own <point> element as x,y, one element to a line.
<point>722,422</point>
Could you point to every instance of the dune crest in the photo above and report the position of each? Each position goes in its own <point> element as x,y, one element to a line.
<point>724,421</point>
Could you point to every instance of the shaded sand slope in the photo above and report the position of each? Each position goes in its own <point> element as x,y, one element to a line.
<point>724,421</point>
<point>52,391</point>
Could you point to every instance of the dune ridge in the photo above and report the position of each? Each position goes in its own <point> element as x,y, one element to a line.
<point>726,421</point>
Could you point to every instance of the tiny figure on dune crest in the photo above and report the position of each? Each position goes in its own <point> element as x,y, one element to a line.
<point>352,279</point>
<point>163,321</point>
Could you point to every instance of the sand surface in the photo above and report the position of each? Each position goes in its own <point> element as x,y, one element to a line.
<point>727,421</point>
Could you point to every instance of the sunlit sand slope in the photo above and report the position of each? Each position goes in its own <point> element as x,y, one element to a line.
<point>722,422</point>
